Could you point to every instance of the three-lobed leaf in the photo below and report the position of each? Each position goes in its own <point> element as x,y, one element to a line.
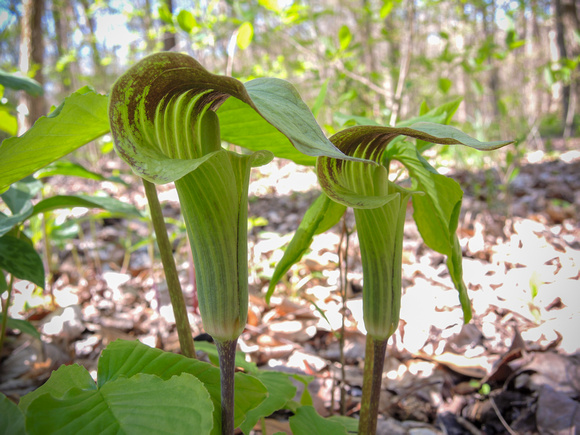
<point>141,404</point>
<point>126,359</point>
<point>81,118</point>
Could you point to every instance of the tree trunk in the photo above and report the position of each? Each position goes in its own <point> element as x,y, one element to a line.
<point>100,77</point>
<point>31,60</point>
<point>489,30</point>
<point>61,13</point>
<point>406,52</point>
<point>169,37</point>
<point>563,52</point>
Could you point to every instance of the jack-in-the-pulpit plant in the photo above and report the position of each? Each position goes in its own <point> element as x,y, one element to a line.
<point>380,208</point>
<point>165,120</point>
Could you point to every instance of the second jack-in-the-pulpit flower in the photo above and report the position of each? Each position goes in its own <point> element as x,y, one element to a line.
<point>380,209</point>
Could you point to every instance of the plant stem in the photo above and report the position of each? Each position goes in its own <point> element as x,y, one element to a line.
<point>5,313</point>
<point>343,270</point>
<point>173,284</point>
<point>227,355</point>
<point>372,380</point>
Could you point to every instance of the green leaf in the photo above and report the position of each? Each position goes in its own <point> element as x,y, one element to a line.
<point>349,423</point>
<point>245,35</point>
<point>165,13</point>
<point>306,398</point>
<point>108,203</point>
<point>62,380</point>
<point>386,8</point>
<point>8,122</point>
<point>186,21</point>
<point>20,83</point>
<point>21,260</point>
<point>322,215</point>
<point>307,421</point>
<point>211,350</point>
<point>18,199</point>
<point>142,404</point>
<point>447,135</point>
<point>344,37</point>
<point>280,391</point>
<point>22,325</point>
<point>80,119</point>
<point>241,125</point>
<point>271,5</point>
<point>69,169</point>
<point>320,98</point>
<point>444,84</point>
<point>12,417</point>
<point>436,213</point>
<point>126,359</point>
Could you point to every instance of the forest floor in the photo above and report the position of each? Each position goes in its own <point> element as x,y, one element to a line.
<point>515,368</point>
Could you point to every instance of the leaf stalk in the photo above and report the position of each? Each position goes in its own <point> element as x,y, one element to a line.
<point>227,355</point>
<point>173,284</point>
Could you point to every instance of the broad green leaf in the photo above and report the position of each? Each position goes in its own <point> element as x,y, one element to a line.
<point>20,83</point>
<point>81,118</point>
<point>447,135</point>
<point>12,417</point>
<point>70,169</point>
<point>21,260</point>
<point>307,421</point>
<point>242,125</point>
<point>8,122</point>
<point>61,380</point>
<point>245,35</point>
<point>126,359</point>
<point>441,114</point>
<point>186,21</point>
<point>322,215</point>
<point>436,213</point>
<point>344,37</point>
<point>108,203</point>
<point>21,325</point>
<point>142,404</point>
<point>280,104</point>
<point>280,391</point>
